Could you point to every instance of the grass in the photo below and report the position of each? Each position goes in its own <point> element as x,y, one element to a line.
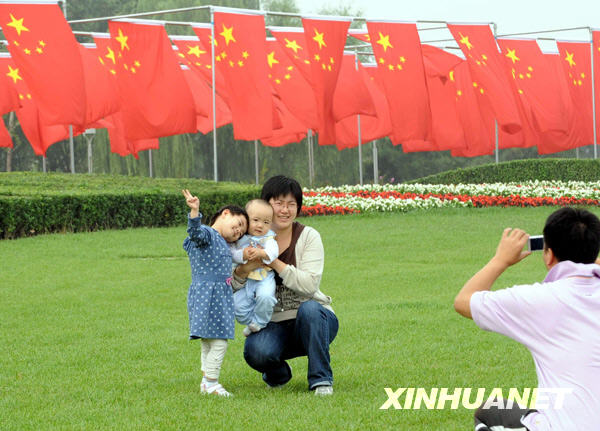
<point>93,329</point>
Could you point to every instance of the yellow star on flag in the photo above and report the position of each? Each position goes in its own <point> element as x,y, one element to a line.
<point>245,54</point>
<point>319,39</point>
<point>195,50</point>
<point>110,55</point>
<point>271,59</point>
<point>137,63</point>
<point>27,51</point>
<point>17,24</point>
<point>42,43</point>
<point>292,45</point>
<point>465,41</point>
<point>512,55</point>
<point>122,39</point>
<point>569,59</point>
<point>39,50</point>
<point>14,74</point>
<point>227,34</point>
<point>384,41</point>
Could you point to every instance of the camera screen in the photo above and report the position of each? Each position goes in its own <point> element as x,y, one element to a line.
<point>536,243</point>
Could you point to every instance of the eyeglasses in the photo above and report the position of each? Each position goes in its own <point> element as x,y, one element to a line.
<point>292,206</point>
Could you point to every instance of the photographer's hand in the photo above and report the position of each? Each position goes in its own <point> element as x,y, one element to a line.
<point>510,248</point>
<point>508,252</point>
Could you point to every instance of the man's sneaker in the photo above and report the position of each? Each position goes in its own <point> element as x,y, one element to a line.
<point>324,390</point>
<point>216,389</point>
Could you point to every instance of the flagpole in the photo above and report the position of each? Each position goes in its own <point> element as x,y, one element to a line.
<point>375,163</point>
<point>89,137</point>
<point>495,120</point>
<point>360,167</point>
<point>593,96</point>
<point>310,167</point>
<point>150,173</point>
<point>256,159</point>
<point>496,137</point>
<point>71,149</point>
<point>71,143</point>
<point>214,95</point>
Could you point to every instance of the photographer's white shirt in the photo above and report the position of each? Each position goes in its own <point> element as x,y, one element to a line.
<point>559,322</point>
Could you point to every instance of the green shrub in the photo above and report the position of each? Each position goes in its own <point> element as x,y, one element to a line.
<point>519,170</point>
<point>34,203</point>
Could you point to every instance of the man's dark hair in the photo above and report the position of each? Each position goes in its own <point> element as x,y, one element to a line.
<point>280,185</point>
<point>573,234</point>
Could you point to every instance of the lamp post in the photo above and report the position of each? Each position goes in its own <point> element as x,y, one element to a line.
<point>89,137</point>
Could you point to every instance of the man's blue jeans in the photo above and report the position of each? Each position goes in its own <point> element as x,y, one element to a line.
<point>309,334</point>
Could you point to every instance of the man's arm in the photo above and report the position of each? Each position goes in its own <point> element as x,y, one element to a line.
<point>508,253</point>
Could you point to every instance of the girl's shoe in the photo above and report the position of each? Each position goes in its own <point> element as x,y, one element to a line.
<point>216,389</point>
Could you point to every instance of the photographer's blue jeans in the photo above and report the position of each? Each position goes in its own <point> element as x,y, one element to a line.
<point>309,334</point>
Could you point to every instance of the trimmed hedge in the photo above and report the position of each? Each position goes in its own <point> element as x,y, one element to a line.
<point>34,203</point>
<point>519,170</point>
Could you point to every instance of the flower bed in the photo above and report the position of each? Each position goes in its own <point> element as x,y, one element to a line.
<point>407,197</point>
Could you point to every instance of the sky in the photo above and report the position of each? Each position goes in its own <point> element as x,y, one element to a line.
<point>511,16</point>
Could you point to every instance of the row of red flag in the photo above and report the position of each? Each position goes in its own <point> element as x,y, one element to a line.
<point>141,84</point>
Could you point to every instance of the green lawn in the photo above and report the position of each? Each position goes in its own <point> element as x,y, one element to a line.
<point>93,329</point>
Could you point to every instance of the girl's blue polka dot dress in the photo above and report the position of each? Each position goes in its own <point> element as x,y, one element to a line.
<point>210,298</point>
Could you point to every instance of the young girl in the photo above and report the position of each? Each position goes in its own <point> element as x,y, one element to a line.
<point>210,298</point>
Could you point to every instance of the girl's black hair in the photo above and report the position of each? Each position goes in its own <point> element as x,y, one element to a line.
<point>233,209</point>
<point>280,185</point>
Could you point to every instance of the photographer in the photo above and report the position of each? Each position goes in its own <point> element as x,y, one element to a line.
<point>558,321</point>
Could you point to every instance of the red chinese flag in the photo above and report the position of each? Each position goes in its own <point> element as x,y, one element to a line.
<point>39,134</point>
<point>325,42</point>
<point>293,44</point>
<point>371,127</point>
<point>397,50</point>
<point>557,141</point>
<point>203,100</point>
<point>291,130</point>
<point>447,132</point>
<point>290,86</point>
<point>577,67</point>
<point>9,98</point>
<point>479,47</point>
<point>240,56</point>
<point>5,139</point>
<point>45,51</point>
<point>193,53</point>
<point>108,58</point>
<point>119,143</point>
<point>155,98</point>
<point>351,95</point>
<point>361,35</point>
<point>534,83</point>
<point>596,50</point>
<point>100,87</point>
<point>478,128</point>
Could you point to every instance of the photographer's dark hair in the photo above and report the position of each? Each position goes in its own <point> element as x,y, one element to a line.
<point>573,234</point>
<point>233,209</point>
<point>281,185</point>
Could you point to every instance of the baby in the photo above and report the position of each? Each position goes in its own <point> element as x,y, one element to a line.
<point>254,302</point>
